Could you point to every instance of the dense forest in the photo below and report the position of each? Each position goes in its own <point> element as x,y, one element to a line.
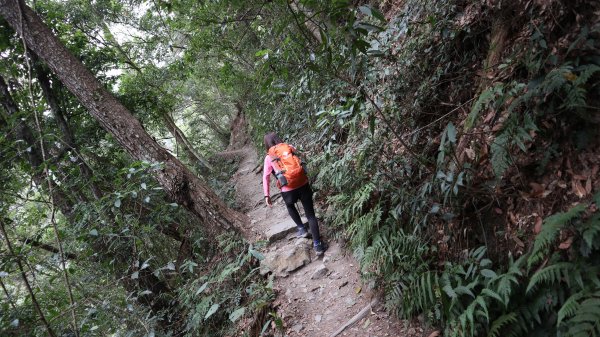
<point>453,148</point>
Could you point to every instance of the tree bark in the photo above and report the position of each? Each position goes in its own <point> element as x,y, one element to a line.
<point>185,143</point>
<point>34,156</point>
<point>49,92</point>
<point>180,183</point>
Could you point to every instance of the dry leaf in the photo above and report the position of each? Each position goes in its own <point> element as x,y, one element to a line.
<point>435,333</point>
<point>588,186</point>
<point>566,244</point>
<point>518,242</point>
<point>358,290</point>
<point>537,190</point>
<point>538,225</point>
<point>470,153</point>
<point>578,189</point>
<point>497,210</point>
<point>512,218</point>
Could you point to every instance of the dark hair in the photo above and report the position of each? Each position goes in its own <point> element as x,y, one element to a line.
<point>271,139</point>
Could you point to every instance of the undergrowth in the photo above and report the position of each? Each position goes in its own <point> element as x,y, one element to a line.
<point>418,145</point>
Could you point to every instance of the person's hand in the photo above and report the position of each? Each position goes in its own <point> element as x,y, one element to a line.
<point>268,201</point>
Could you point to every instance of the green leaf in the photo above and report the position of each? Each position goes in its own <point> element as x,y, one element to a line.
<point>596,198</point>
<point>234,316</point>
<point>212,310</point>
<point>262,52</point>
<point>488,273</point>
<point>451,130</point>
<point>202,288</point>
<point>257,255</point>
<point>370,11</point>
<point>94,232</point>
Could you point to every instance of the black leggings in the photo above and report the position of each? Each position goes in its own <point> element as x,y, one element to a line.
<point>303,193</point>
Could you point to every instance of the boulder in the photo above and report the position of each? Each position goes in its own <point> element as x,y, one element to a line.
<point>320,272</point>
<point>280,230</point>
<point>284,260</point>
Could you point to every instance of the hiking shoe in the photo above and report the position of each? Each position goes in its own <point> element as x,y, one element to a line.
<point>320,248</point>
<point>302,233</point>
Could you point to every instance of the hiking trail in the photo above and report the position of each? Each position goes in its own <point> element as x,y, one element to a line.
<point>315,296</point>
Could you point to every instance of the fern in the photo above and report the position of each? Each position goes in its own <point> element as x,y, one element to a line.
<point>550,228</point>
<point>552,274</point>
<point>499,159</point>
<point>584,321</point>
<point>591,229</point>
<point>500,322</point>
<point>484,99</point>
<point>569,308</point>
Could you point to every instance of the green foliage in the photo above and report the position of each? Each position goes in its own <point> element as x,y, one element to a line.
<point>550,229</point>
<point>559,298</point>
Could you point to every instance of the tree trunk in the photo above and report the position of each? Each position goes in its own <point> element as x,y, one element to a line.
<point>28,144</point>
<point>49,92</point>
<point>185,143</point>
<point>181,184</point>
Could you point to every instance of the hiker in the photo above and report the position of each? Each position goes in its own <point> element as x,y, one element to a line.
<point>293,182</point>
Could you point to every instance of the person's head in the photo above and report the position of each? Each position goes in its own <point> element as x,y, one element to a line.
<point>271,139</point>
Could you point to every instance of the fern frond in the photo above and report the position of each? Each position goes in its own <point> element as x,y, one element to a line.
<point>569,308</point>
<point>500,322</point>
<point>484,99</point>
<point>499,150</point>
<point>591,228</point>
<point>551,274</point>
<point>585,73</point>
<point>550,229</point>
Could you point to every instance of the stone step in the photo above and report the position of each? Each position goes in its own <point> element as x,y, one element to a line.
<point>281,230</point>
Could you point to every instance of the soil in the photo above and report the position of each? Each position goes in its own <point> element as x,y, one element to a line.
<point>320,306</point>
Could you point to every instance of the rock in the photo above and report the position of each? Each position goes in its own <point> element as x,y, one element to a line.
<point>280,230</point>
<point>320,272</point>
<point>297,328</point>
<point>303,242</point>
<point>350,302</point>
<point>318,318</point>
<point>285,260</point>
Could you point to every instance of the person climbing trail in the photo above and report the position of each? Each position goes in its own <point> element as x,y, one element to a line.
<point>282,162</point>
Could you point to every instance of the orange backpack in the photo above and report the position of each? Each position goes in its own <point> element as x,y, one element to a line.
<point>284,161</point>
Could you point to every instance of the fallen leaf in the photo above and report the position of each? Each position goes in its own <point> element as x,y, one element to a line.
<point>595,170</point>
<point>518,242</point>
<point>537,190</point>
<point>566,244</point>
<point>538,225</point>
<point>470,153</point>
<point>434,334</point>
<point>512,218</point>
<point>578,189</point>
<point>358,290</point>
<point>588,186</point>
<point>497,210</point>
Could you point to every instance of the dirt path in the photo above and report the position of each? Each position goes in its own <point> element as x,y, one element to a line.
<point>325,293</point>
